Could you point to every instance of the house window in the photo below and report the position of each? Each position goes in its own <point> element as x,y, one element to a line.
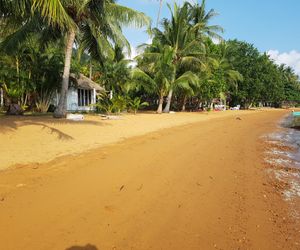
<point>84,97</point>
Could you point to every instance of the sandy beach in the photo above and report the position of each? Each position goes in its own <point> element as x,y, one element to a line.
<point>40,139</point>
<point>178,181</point>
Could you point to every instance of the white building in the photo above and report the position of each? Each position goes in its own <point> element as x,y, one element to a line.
<point>1,97</point>
<point>82,94</point>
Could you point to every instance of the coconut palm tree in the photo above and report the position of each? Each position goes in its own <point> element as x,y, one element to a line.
<point>188,51</point>
<point>95,24</point>
<point>200,19</point>
<point>115,72</point>
<point>156,71</point>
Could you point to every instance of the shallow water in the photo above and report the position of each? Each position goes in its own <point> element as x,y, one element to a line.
<point>286,144</point>
<point>283,152</point>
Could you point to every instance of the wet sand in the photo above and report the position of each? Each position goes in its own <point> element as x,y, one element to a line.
<point>203,185</point>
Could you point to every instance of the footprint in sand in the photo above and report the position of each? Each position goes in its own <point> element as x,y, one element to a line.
<point>110,208</point>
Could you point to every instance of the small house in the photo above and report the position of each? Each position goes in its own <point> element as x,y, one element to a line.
<point>82,93</point>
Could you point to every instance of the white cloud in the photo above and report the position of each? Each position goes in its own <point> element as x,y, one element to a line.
<point>291,59</point>
<point>135,52</point>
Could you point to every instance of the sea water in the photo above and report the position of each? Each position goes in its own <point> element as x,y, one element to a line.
<point>283,153</point>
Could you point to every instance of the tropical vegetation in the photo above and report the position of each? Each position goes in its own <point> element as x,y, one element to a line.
<point>187,65</point>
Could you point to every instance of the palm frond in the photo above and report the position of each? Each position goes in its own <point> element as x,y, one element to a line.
<point>127,16</point>
<point>54,12</point>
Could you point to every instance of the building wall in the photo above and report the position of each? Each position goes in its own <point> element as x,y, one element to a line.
<point>1,97</point>
<point>72,99</point>
<point>72,103</point>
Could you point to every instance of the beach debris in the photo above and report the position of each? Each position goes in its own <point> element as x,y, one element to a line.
<point>121,188</point>
<point>237,107</point>
<point>109,208</point>
<point>140,188</point>
<point>20,185</point>
<point>2,199</point>
<point>238,118</point>
<point>35,166</point>
<point>111,117</point>
<point>75,117</point>
<point>14,109</point>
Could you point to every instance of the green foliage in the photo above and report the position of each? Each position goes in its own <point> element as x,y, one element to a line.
<point>31,74</point>
<point>182,62</point>
<point>136,104</point>
<point>263,81</point>
<point>117,104</point>
<point>95,25</point>
<point>115,72</point>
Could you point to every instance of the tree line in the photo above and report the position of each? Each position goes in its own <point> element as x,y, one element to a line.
<point>187,65</point>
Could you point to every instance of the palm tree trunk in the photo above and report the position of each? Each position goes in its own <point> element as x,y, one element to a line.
<point>211,105</point>
<point>160,105</point>
<point>183,104</point>
<point>159,11</point>
<point>61,110</point>
<point>91,70</point>
<point>167,108</point>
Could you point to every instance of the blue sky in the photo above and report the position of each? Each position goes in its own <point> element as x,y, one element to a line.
<point>271,25</point>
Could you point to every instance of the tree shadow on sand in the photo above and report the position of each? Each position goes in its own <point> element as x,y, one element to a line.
<point>87,247</point>
<point>12,123</point>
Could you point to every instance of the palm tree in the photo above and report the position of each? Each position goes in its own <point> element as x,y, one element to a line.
<point>221,77</point>
<point>156,71</point>
<point>115,72</point>
<point>200,19</point>
<point>95,24</point>
<point>188,51</point>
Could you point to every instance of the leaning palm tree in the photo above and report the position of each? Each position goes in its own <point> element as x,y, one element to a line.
<point>94,24</point>
<point>154,71</point>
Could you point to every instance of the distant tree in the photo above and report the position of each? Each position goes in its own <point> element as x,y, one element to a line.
<point>246,59</point>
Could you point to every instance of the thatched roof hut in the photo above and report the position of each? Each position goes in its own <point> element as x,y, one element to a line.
<point>84,82</point>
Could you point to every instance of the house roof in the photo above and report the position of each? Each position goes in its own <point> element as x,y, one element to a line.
<point>84,82</point>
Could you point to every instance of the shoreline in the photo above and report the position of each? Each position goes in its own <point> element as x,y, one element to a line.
<point>217,203</point>
<point>282,157</point>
